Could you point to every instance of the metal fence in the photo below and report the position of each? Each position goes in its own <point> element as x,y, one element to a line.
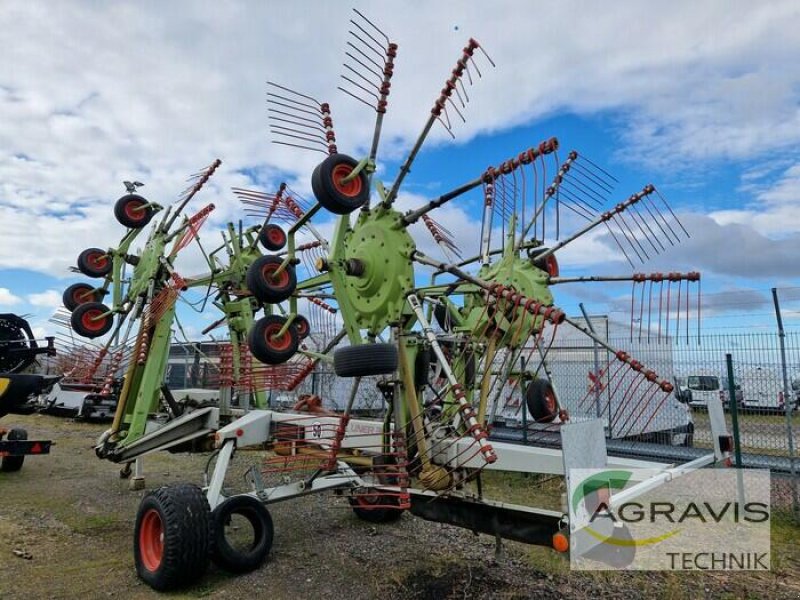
<point>765,382</point>
<point>672,427</point>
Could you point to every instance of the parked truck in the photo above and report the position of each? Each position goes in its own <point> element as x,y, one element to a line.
<point>18,352</point>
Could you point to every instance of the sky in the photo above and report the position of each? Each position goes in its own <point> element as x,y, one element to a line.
<point>700,99</point>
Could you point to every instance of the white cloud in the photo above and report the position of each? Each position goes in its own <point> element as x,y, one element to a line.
<point>774,210</point>
<point>7,298</point>
<point>164,89</point>
<point>46,299</point>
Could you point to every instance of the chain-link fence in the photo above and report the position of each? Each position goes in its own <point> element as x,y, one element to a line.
<point>642,423</point>
<point>641,420</point>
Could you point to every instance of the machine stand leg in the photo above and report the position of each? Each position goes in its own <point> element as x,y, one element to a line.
<point>498,547</point>
<point>137,481</point>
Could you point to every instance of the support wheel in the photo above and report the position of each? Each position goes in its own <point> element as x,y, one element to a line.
<point>94,262</point>
<point>272,237</point>
<point>302,325</point>
<point>91,320</point>
<point>541,401</point>
<point>422,368</point>
<point>375,508</point>
<point>265,343</point>
<point>339,197</point>
<point>365,360</point>
<point>79,293</point>
<point>133,211</point>
<point>242,532</point>
<point>13,463</point>
<point>172,536</point>
<point>266,284</point>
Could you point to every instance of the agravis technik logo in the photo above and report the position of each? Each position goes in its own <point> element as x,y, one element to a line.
<point>709,519</point>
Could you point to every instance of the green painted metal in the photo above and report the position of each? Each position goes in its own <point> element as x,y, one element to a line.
<point>149,378</point>
<point>371,270</point>
<point>140,394</point>
<point>240,315</point>
<point>521,275</point>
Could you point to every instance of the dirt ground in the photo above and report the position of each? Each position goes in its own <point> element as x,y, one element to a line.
<point>66,523</point>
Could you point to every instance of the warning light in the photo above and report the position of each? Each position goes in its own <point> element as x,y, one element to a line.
<point>560,542</point>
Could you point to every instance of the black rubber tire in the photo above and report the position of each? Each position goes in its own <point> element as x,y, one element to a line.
<point>18,344</point>
<point>272,237</point>
<point>541,401</point>
<point>268,351</point>
<point>376,515</point>
<point>72,295</point>
<point>303,326</point>
<point>338,199</point>
<point>261,284</point>
<point>94,262</point>
<point>422,368</point>
<point>10,464</point>
<point>689,441</point>
<point>549,265</point>
<point>123,211</point>
<point>226,556</point>
<point>442,315</point>
<point>361,504</point>
<point>82,320</point>
<point>185,519</point>
<point>365,360</point>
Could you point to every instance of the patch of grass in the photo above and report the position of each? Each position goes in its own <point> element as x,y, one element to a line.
<point>548,561</point>
<point>92,524</point>
<point>541,491</point>
<point>785,530</point>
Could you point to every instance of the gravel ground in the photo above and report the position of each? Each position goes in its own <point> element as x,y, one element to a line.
<point>66,524</point>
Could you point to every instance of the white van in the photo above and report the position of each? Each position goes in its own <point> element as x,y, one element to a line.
<point>701,388</point>
<point>763,389</point>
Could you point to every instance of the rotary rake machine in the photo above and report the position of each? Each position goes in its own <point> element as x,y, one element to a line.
<point>443,355</point>
<point>240,281</point>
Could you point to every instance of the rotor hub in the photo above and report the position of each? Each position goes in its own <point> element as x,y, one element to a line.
<point>378,267</point>
<point>515,323</point>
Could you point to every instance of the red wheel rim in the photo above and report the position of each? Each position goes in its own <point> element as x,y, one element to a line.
<point>275,281</point>
<point>302,326</point>
<point>97,260</point>
<point>552,265</point>
<point>151,540</point>
<point>90,320</point>
<point>275,342</point>
<point>82,295</point>
<point>134,210</point>
<point>352,188</point>
<point>276,236</point>
<point>367,501</point>
<point>550,402</point>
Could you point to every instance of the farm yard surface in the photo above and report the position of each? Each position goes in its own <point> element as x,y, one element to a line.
<point>66,523</point>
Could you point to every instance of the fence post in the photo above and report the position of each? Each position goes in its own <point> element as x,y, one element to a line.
<point>787,400</point>
<point>734,406</point>
<point>523,402</point>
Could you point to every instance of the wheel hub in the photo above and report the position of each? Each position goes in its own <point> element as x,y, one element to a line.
<point>528,280</point>
<point>381,247</point>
